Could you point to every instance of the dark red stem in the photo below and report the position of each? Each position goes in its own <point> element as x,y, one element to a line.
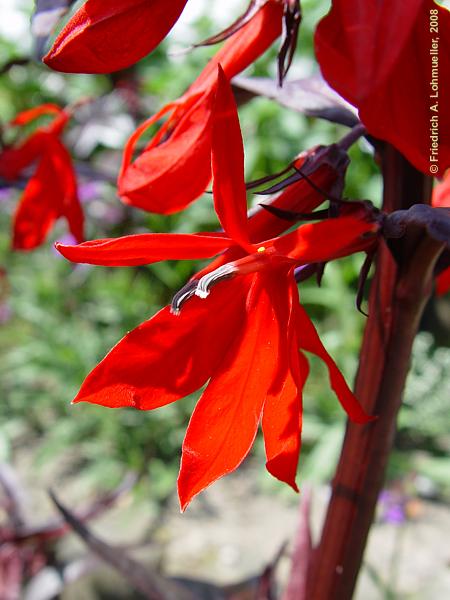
<point>398,296</point>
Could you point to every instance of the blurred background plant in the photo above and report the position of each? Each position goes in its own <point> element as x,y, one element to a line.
<point>58,320</point>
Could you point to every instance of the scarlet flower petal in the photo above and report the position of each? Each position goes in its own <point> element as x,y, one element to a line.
<point>319,242</point>
<point>14,160</point>
<point>310,341</point>
<point>245,46</point>
<point>282,414</point>
<point>230,198</point>
<point>168,356</point>
<point>26,116</point>
<point>69,203</point>
<point>161,179</point>
<point>224,423</point>
<point>38,208</point>
<point>382,59</point>
<point>103,37</point>
<point>143,249</point>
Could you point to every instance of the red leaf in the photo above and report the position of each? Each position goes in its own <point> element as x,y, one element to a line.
<point>230,198</point>
<point>224,423</point>
<point>168,356</point>
<point>106,36</point>
<point>377,56</point>
<point>143,249</point>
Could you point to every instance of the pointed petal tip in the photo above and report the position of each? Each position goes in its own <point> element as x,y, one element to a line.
<point>185,498</point>
<point>275,472</point>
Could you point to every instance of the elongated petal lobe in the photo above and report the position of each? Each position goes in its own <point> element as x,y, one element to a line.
<point>224,423</point>
<point>143,249</point>
<point>282,414</point>
<point>333,238</point>
<point>38,208</point>
<point>230,198</point>
<point>310,341</point>
<point>106,36</point>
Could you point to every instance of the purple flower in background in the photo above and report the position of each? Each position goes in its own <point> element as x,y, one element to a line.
<point>392,507</point>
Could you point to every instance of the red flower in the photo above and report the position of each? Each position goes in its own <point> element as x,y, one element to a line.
<point>384,58</point>
<point>441,198</point>
<point>246,335</point>
<point>161,179</point>
<point>106,36</point>
<point>52,190</point>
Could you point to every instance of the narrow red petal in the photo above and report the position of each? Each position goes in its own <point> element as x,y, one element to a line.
<point>282,414</point>
<point>333,238</point>
<point>38,208</point>
<point>168,356</point>
<point>224,423</point>
<point>230,198</point>
<point>144,249</point>
<point>26,116</point>
<point>70,206</point>
<point>310,341</point>
<point>134,138</point>
<point>103,37</point>
<point>245,46</point>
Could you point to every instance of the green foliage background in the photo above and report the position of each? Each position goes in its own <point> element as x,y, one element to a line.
<point>60,320</point>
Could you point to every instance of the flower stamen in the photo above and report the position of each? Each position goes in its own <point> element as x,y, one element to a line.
<point>208,281</point>
<point>186,292</point>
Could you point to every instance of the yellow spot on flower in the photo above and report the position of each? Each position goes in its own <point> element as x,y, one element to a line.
<point>261,249</point>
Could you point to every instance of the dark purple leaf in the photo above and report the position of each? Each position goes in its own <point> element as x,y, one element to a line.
<point>311,96</point>
<point>436,222</point>
<point>143,579</point>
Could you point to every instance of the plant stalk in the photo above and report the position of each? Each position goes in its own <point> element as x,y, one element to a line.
<point>399,292</point>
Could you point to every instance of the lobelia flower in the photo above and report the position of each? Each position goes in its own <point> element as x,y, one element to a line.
<point>239,325</point>
<point>161,178</point>
<point>385,58</point>
<point>441,199</point>
<point>102,37</point>
<point>51,192</point>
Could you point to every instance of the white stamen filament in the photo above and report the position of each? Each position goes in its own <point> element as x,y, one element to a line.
<point>208,281</point>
